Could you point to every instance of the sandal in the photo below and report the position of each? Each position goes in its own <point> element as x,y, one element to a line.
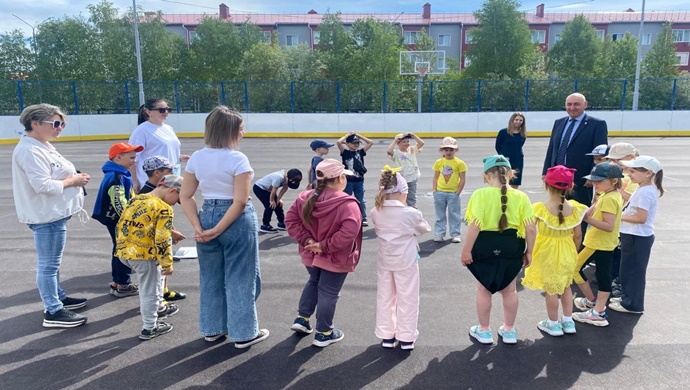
<point>174,295</point>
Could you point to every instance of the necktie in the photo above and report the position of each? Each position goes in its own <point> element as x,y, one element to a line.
<point>563,148</point>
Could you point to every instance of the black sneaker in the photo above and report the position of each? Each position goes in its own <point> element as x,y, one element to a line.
<point>389,343</point>
<point>124,291</point>
<point>168,310</point>
<point>159,329</point>
<point>301,325</point>
<point>263,335</point>
<point>365,223</point>
<point>268,229</point>
<point>73,303</point>
<point>323,340</point>
<point>281,227</point>
<point>63,319</point>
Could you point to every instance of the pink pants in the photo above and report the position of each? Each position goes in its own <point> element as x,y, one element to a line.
<point>397,304</point>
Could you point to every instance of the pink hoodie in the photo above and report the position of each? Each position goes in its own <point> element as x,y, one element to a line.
<point>336,224</point>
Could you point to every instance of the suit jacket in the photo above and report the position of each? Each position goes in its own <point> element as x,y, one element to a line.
<point>590,133</point>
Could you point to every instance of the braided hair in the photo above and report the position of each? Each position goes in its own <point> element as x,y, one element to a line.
<point>504,174</point>
<point>387,181</point>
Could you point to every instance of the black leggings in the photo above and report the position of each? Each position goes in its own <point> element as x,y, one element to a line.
<point>265,198</point>
<point>603,261</point>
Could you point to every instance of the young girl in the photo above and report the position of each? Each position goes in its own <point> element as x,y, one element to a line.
<point>498,244</point>
<point>604,219</point>
<point>397,226</point>
<point>637,232</point>
<point>327,224</point>
<point>449,180</point>
<point>555,251</point>
<point>405,156</point>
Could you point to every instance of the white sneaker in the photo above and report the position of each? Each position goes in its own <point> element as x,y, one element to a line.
<point>456,240</point>
<point>438,239</point>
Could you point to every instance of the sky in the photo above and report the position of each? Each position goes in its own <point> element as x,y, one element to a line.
<point>34,12</point>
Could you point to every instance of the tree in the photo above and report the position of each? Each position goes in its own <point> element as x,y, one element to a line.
<point>337,47</point>
<point>16,58</point>
<point>661,61</point>
<point>619,58</point>
<point>501,47</point>
<point>377,54</point>
<point>577,53</point>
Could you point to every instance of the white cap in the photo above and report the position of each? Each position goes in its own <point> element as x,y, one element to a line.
<point>621,150</point>
<point>647,162</point>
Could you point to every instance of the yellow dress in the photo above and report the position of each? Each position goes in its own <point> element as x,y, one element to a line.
<point>554,256</point>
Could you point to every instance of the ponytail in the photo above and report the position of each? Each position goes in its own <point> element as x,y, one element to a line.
<point>311,202</point>
<point>658,178</point>
<point>143,115</point>
<point>388,180</point>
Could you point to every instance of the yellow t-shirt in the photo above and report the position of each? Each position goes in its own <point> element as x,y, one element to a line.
<point>610,202</point>
<point>449,173</point>
<point>628,186</point>
<point>143,232</point>
<point>484,209</point>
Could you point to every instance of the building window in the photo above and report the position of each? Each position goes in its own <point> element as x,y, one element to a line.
<point>444,40</point>
<point>193,36</point>
<point>681,35</point>
<point>615,37</point>
<point>411,37</point>
<point>466,62</point>
<point>646,39</point>
<point>538,36</point>
<point>556,38</point>
<point>468,36</point>
<point>291,40</point>
<point>267,36</point>
<point>601,34</point>
<point>317,37</point>
<point>682,58</point>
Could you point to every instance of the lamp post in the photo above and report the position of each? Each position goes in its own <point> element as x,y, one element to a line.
<point>636,93</point>
<point>137,47</point>
<point>34,43</point>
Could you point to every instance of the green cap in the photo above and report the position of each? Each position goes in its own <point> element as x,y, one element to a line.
<point>497,160</point>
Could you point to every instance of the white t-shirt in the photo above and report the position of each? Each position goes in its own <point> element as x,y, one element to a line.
<point>408,162</point>
<point>215,169</point>
<point>275,179</point>
<point>644,198</point>
<point>157,141</point>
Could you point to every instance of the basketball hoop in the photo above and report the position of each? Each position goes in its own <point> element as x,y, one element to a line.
<point>422,72</point>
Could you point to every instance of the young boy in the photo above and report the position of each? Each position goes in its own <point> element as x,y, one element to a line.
<point>266,189</point>
<point>320,148</point>
<point>115,191</point>
<point>144,244</point>
<point>353,159</point>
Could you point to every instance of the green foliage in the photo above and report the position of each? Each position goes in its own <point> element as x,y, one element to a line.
<point>16,58</point>
<point>376,55</point>
<point>619,58</point>
<point>337,47</point>
<point>661,61</point>
<point>576,54</point>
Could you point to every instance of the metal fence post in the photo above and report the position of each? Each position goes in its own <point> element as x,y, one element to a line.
<point>222,93</point>
<point>385,97</point>
<point>625,90</point>
<point>20,95</point>
<point>337,97</point>
<point>431,97</point>
<point>292,97</point>
<point>128,101</point>
<point>177,97</point>
<point>673,94</point>
<point>575,85</point>
<point>76,100</point>
<point>246,97</point>
<point>479,95</point>
<point>526,95</point>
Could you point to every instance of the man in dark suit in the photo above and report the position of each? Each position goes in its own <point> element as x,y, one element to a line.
<point>572,138</point>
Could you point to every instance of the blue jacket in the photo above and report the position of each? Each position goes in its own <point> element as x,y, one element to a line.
<point>114,193</point>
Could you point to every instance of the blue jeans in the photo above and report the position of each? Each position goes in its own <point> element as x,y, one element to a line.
<point>356,188</point>
<point>49,239</point>
<point>451,202</point>
<point>118,270</point>
<point>229,274</point>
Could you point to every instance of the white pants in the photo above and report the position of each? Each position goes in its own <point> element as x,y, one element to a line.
<point>397,304</point>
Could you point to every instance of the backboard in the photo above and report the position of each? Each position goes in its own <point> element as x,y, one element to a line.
<point>420,63</point>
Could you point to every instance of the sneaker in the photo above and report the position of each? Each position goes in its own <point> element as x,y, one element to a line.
<point>167,310</point>
<point>159,329</point>
<point>508,336</point>
<point>174,296</point>
<point>73,303</point>
<point>568,327</point>
<point>125,291</point>
<point>583,304</point>
<point>63,319</point>
<point>323,340</point>
<point>619,308</point>
<point>483,336</point>
<point>263,335</point>
<point>281,227</point>
<point>268,229</point>
<point>438,239</point>
<point>616,299</point>
<point>407,345</point>
<point>456,240</point>
<point>588,317</point>
<point>302,325</point>
<point>215,337</point>
<point>365,223</point>
<point>389,343</point>
<point>553,330</point>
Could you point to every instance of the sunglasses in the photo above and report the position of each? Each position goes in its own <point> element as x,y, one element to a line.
<point>162,110</point>
<point>56,124</point>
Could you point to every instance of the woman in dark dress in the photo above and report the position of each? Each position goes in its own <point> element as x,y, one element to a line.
<point>509,142</point>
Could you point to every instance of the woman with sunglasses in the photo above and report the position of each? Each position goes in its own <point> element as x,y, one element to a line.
<point>47,192</point>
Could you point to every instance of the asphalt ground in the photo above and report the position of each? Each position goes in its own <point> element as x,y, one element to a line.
<point>649,351</point>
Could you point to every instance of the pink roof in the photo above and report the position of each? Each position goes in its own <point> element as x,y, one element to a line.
<point>438,18</point>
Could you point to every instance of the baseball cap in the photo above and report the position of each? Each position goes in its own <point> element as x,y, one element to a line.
<point>156,162</point>
<point>319,143</point>
<point>620,150</point>
<point>171,181</point>
<point>123,147</point>
<point>404,135</point>
<point>330,168</point>
<point>497,160</point>
<point>449,142</point>
<point>605,170</point>
<point>294,178</point>
<point>600,150</point>
<point>351,139</point>
<point>560,177</point>
<point>647,162</point>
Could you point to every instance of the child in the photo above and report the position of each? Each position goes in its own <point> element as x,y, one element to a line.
<point>115,191</point>
<point>266,189</point>
<point>145,245</point>
<point>405,156</point>
<point>555,250</point>
<point>353,159</point>
<point>599,153</point>
<point>327,225</point>
<point>320,148</point>
<point>604,218</point>
<point>498,245</point>
<point>397,227</point>
<point>449,180</point>
<point>637,232</point>
<point>155,168</point>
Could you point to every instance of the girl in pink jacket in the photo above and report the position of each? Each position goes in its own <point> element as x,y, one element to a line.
<point>327,225</point>
<point>397,296</point>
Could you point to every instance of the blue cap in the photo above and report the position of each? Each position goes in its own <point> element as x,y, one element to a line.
<point>497,160</point>
<point>605,170</point>
<point>319,143</point>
